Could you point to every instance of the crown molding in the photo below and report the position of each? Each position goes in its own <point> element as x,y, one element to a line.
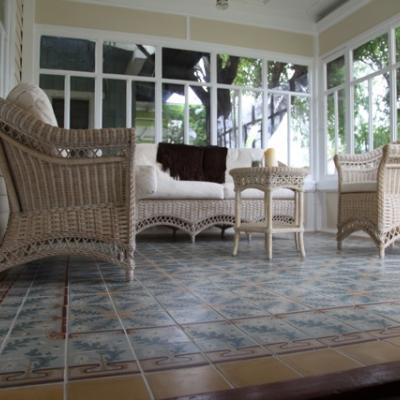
<point>339,14</point>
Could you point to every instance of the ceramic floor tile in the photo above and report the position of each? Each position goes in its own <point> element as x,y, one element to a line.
<point>43,392</point>
<point>125,388</point>
<point>370,353</point>
<point>257,371</point>
<point>187,381</point>
<point>319,362</point>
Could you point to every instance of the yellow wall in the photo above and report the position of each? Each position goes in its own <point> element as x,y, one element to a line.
<point>365,18</point>
<point>253,37</point>
<point>68,13</point>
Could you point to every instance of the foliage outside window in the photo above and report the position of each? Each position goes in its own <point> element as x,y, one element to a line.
<point>171,94</point>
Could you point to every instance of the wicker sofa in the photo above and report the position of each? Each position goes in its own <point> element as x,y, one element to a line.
<point>196,206</point>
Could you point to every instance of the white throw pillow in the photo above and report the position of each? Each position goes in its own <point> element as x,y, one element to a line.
<point>146,180</point>
<point>33,100</point>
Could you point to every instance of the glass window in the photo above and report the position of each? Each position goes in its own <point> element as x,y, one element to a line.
<point>335,72</point>
<point>143,111</point>
<point>286,76</point>
<point>53,85</point>
<point>300,131</point>
<point>398,101</point>
<point>173,113</point>
<point>380,110</point>
<point>336,126</point>
<point>186,65</point>
<point>82,103</point>
<point>361,118</point>
<point>397,34</point>
<point>199,115</point>
<point>239,71</point>
<point>278,125</point>
<point>128,59</point>
<point>371,57</point>
<point>251,116</point>
<point>67,54</point>
<point>228,118</point>
<point>114,103</point>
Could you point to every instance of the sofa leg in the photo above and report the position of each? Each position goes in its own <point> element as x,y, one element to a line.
<point>193,238</point>
<point>130,273</point>
<point>174,230</point>
<point>339,245</point>
<point>382,251</point>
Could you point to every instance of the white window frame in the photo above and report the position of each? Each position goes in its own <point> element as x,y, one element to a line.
<point>159,42</point>
<point>387,27</point>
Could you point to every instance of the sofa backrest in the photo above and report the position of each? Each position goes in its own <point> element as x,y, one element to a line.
<point>146,154</point>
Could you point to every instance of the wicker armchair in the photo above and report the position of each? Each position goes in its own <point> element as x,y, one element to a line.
<point>71,192</point>
<point>369,195</point>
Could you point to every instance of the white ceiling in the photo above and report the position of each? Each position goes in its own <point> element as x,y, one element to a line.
<point>306,16</point>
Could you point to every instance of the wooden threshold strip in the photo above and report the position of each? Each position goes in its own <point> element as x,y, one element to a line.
<point>377,382</point>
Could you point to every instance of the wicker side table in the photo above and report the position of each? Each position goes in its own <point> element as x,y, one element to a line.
<point>267,180</point>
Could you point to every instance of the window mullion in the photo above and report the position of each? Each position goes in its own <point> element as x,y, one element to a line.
<point>336,108</point>
<point>393,85</point>
<point>158,96</point>
<point>264,133</point>
<point>67,101</point>
<point>129,103</point>
<point>186,125</point>
<point>349,96</point>
<point>98,90</point>
<point>289,131</point>
<point>239,140</point>
<point>370,117</point>
<point>213,99</point>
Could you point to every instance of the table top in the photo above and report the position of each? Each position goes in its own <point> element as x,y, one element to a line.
<point>265,178</point>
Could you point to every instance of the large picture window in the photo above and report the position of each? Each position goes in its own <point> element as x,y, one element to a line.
<point>361,113</point>
<point>179,95</point>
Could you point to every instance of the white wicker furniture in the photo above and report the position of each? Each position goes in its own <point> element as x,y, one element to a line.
<point>267,180</point>
<point>369,195</point>
<point>69,191</point>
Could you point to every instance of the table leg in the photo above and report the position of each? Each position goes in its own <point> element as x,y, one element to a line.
<point>301,224</point>
<point>237,222</point>
<point>268,222</point>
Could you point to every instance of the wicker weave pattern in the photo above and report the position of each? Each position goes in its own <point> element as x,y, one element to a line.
<point>194,216</point>
<point>70,191</point>
<point>377,213</point>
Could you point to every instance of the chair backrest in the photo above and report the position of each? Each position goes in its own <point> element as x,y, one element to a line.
<point>47,167</point>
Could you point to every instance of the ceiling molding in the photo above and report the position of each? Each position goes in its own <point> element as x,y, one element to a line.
<point>341,13</point>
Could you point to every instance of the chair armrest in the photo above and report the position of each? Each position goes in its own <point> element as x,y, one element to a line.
<point>358,168</point>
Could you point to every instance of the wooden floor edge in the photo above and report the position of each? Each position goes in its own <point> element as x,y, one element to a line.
<point>375,382</point>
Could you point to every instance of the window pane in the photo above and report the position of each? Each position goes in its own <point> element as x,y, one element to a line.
<point>173,113</point>
<point>199,115</point>
<point>82,103</point>
<point>186,65</point>
<point>331,130</point>
<point>114,103</point>
<point>240,71</point>
<point>371,56</point>
<point>228,118</point>
<point>361,113</point>
<point>278,126</point>
<point>53,85</point>
<point>381,110</point>
<point>335,72</point>
<point>67,53</point>
<point>336,126</point>
<point>143,111</point>
<point>252,105</point>
<point>300,132</point>
<point>287,76</point>
<point>128,59</point>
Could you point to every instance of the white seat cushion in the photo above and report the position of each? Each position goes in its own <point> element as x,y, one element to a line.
<point>146,153</point>
<point>169,188</point>
<point>229,193</point>
<point>358,187</point>
<point>33,100</point>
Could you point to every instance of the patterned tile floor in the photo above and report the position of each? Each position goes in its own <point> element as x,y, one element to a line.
<point>195,319</point>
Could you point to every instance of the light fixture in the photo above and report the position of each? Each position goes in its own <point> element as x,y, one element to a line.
<point>222,4</point>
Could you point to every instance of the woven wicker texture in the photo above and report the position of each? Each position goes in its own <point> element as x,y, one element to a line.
<point>70,191</point>
<point>376,213</point>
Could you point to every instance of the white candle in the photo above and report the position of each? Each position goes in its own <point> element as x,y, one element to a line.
<point>270,158</point>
